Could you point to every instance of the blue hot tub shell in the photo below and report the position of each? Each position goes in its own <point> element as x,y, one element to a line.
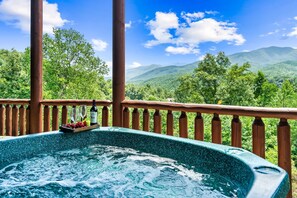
<point>255,176</point>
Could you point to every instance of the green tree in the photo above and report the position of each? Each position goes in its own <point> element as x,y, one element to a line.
<point>286,93</point>
<point>14,74</point>
<point>258,83</point>
<point>186,92</point>
<point>209,75</point>
<point>237,86</point>
<point>71,69</point>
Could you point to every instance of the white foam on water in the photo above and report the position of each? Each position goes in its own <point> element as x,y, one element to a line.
<point>108,171</point>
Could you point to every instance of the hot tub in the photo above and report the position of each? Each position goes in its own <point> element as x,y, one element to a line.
<point>119,162</point>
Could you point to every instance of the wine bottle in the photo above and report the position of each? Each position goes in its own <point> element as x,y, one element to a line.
<point>94,113</point>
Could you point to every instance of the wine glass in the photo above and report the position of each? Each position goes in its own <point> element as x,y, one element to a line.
<point>83,112</point>
<point>73,114</point>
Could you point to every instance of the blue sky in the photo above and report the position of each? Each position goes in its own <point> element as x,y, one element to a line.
<point>162,31</point>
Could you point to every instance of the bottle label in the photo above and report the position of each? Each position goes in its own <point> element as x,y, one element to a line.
<point>93,117</point>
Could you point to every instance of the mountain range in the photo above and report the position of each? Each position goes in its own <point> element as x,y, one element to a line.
<point>273,61</point>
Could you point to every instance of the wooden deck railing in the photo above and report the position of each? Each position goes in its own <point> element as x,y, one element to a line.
<point>258,126</point>
<point>65,105</point>
<point>14,115</point>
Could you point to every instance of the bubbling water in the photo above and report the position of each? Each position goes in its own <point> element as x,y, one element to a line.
<point>109,171</point>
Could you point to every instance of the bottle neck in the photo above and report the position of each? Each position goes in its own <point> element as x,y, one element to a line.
<point>94,103</point>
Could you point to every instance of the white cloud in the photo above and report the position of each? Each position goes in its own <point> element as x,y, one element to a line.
<point>200,58</point>
<point>213,48</point>
<point>128,25</point>
<point>99,45</point>
<point>167,28</point>
<point>17,14</point>
<point>135,65</point>
<point>211,12</point>
<point>189,17</point>
<point>293,33</point>
<point>209,30</point>
<point>160,27</point>
<point>294,30</point>
<point>270,33</point>
<point>181,50</point>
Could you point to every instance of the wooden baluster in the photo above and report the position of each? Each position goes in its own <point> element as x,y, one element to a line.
<point>46,117</point>
<point>284,149</point>
<point>22,120</point>
<point>64,115</point>
<point>146,120</point>
<point>259,137</point>
<point>15,121</point>
<point>55,118</point>
<point>8,120</point>
<point>236,133</point>
<point>105,115</point>
<point>28,120</point>
<point>169,130</point>
<point>2,120</point>
<point>157,121</point>
<point>216,129</point>
<point>183,125</point>
<point>199,127</point>
<point>135,119</point>
<point>126,118</point>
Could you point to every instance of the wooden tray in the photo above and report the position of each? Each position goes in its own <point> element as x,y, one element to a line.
<point>70,130</point>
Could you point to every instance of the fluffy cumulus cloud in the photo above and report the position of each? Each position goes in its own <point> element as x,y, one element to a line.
<point>160,27</point>
<point>128,25</point>
<point>99,45</point>
<point>185,33</point>
<point>17,13</point>
<point>135,65</point>
<point>294,31</point>
<point>181,50</point>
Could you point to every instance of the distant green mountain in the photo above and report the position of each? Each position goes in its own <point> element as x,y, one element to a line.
<point>273,61</point>
<point>131,73</point>
<point>287,69</point>
<point>260,58</point>
<point>164,71</point>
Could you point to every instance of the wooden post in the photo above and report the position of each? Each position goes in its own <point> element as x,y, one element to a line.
<point>28,120</point>
<point>169,129</point>
<point>55,118</point>
<point>118,61</point>
<point>105,114</point>
<point>15,121</point>
<point>259,137</point>
<point>157,122</point>
<point>46,117</point>
<point>22,120</point>
<point>284,149</point>
<point>135,119</point>
<point>146,120</point>
<point>36,66</point>
<point>216,129</point>
<point>2,120</point>
<point>64,114</point>
<point>126,118</point>
<point>199,127</point>
<point>236,132</point>
<point>8,120</point>
<point>183,125</point>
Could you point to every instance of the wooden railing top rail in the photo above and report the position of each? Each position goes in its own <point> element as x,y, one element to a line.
<point>75,102</point>
<point>14,101</point>
<point>263,112</point>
